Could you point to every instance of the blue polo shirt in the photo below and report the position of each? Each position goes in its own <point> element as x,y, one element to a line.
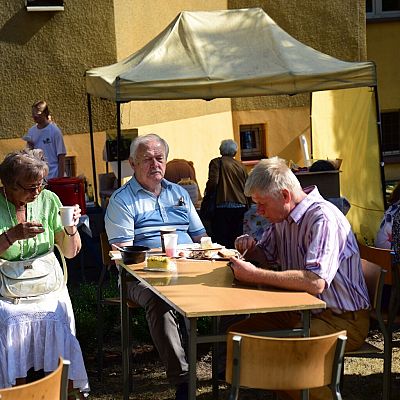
<point>134,213</point>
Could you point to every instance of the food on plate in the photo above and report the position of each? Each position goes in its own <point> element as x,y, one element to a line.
<point>159,262</point>
<point>201,255</point>
<point>226,253</point>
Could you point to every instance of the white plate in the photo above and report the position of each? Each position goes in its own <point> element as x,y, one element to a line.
<point>215,247</point>
<point>157,269</point>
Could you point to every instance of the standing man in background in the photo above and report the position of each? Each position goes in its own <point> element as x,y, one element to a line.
<point>46,135</point>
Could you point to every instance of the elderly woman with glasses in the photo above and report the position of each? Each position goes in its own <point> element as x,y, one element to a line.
<point>34,332</point>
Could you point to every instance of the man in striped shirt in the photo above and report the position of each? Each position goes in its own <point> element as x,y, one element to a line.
<point>312,242</point>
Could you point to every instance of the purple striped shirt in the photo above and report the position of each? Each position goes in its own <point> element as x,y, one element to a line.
<point>317,237</point>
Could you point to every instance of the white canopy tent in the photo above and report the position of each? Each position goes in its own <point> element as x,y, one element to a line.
<point>227,53</point>
<point>206,55</point>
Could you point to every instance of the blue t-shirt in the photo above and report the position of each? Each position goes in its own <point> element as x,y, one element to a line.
<point>134,213</point>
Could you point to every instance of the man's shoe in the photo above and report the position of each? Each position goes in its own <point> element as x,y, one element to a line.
<point>182,391</point>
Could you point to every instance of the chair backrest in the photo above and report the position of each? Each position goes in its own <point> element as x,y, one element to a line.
<point>105,249</point>
<point>374,276</point>
<point>284,363</point>
<point>382,257</point>
<point>53,386</point>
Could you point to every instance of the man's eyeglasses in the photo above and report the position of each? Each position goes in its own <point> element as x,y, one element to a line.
<point>35,188</point>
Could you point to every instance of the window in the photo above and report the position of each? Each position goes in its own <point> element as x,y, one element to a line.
<point>391,133</point>
<point>382,9</point>
<point>44,5</point>
<point>252,142</point>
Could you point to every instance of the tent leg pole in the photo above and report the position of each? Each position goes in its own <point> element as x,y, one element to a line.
<point>119,142</point>
<point>381,162</point>
<point>89,105</point>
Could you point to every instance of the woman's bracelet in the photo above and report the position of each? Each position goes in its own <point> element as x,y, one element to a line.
<point>71,234</point>
<point>8,238</point>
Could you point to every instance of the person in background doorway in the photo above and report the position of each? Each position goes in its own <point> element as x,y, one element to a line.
<point>227,177</point>
<point>384,236</point>
<point>46,135</point>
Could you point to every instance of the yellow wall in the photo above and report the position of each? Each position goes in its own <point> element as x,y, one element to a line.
<point>345,126</point>
<point>76,145</point>
<point>198,139</point>
<point>383,40</point>
<point>283,128</point>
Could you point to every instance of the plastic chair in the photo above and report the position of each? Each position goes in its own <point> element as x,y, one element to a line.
<point>379,268</point>
<point>108,301</point>
<point>53,386</point>
<point>284,364</point>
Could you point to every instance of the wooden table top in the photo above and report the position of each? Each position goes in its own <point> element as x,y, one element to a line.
<point>206,288</point>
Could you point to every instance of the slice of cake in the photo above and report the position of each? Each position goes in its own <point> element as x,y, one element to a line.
<point>226,253</point>
<point>159,262</point>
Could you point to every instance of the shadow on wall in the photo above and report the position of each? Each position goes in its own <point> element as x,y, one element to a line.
<point>23,26</point>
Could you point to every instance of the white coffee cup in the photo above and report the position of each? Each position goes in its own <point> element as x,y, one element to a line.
<point>67,215</point>
<point>171,244</point>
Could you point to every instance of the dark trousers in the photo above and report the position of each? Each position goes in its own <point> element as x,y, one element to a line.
<point>227,225</point>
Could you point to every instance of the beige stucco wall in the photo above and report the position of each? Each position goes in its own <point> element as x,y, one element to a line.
<point>96,33</point>
<point>45,55</point>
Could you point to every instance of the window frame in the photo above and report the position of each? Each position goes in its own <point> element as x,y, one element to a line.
<point>258,151</point>
<point>378,13</point>
<point>393,154</point>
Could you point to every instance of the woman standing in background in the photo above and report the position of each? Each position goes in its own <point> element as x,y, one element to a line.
<point>227,177</point>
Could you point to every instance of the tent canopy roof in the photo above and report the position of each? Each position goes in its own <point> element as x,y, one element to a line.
<point>227,53</point>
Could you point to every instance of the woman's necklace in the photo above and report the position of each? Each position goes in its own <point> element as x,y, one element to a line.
<point>21,242</point>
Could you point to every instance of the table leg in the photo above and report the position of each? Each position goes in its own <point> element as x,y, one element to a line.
<point>124,334</point>
<point>306,323</point>
<point>215,354</point>
<point>192,348</point>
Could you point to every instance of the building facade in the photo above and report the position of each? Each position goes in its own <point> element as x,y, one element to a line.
<point>46,54</point>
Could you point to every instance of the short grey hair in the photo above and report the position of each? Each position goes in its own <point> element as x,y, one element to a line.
<point>228,147</point>
<point>27,164</point>
<point>145,139</point>
<point>270,176</point>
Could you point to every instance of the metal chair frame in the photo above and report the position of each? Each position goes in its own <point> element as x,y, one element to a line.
<point>387,319</point>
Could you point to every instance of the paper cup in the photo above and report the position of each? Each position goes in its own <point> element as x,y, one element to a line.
<point>171,244</point>
<point>67,215</point>
<point>164,232</point>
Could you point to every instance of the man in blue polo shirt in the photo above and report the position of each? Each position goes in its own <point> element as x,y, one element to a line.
<point>135,214</point>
